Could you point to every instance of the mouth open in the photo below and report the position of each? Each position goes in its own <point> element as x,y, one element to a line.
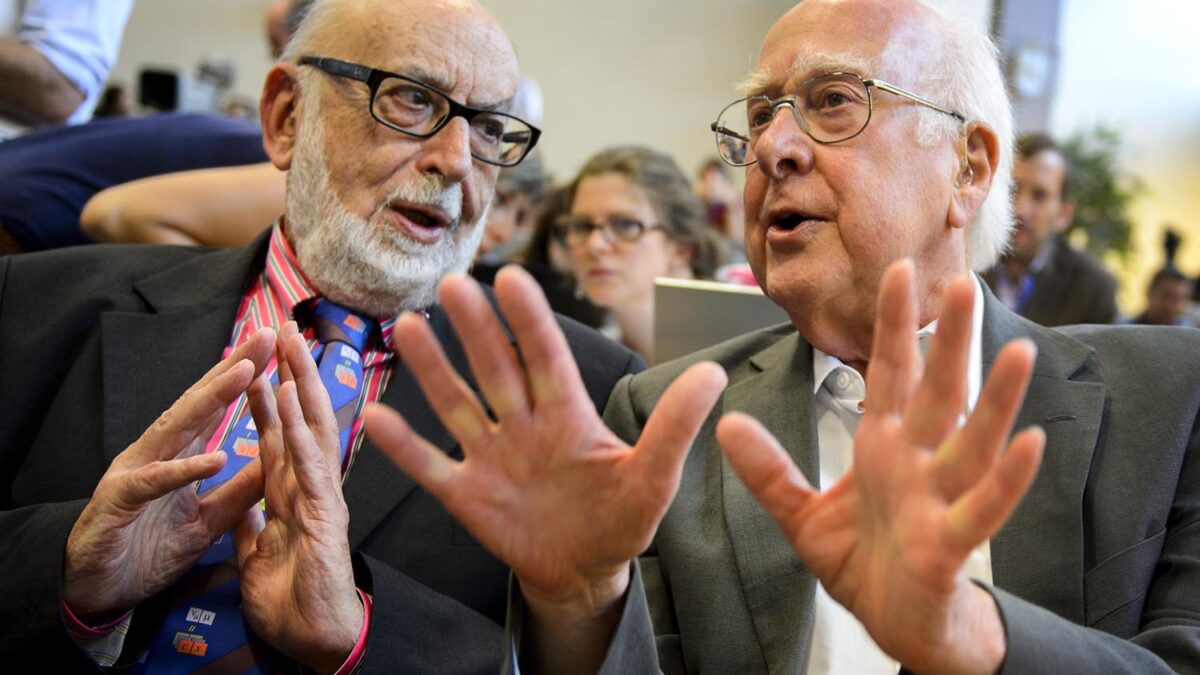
<point>421,224</point>
<point>788,221</point>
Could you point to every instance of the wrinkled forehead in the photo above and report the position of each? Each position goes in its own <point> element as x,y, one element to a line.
<point>772,79</point>
<point>823,37</point>
<point>461,52</point>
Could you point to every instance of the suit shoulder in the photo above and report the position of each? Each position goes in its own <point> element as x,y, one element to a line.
<point>731,355</point>
<point>1142,354</point>
<point>89,271</point>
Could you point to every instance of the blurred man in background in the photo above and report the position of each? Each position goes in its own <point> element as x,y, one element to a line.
<point>1042,277</point>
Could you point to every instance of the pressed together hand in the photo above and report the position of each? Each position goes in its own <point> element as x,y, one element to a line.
<point>297,581</point>
<point>145,525</point>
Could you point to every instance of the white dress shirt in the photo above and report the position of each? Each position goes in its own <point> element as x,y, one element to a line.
<point>840,644</point>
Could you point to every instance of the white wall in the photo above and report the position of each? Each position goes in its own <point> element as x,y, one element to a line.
<point>179,34</point>
<point>613,71</point>
<point>1134,66</point>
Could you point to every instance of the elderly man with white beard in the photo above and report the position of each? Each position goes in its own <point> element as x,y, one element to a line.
<point>249,525</point>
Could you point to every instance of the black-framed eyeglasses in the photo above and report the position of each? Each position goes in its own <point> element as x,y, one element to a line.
<point>829,108</point>
<point>573,231</point>
<point>417,109</point>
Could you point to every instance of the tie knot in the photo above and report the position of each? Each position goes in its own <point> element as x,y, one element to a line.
<point>333,323</point>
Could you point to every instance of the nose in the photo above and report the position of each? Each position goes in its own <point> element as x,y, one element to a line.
<point>783,148</point>
<point>448,152</point>
<point>595,241</point>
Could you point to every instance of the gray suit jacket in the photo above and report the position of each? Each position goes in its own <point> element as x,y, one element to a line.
<point>95,342</point>
<point>1097,571</point>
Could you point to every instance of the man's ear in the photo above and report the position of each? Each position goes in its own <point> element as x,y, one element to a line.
<point>979,157</point>
<point>279,112</point>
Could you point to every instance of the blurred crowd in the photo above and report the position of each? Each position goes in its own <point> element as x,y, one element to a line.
<point>596,241</point>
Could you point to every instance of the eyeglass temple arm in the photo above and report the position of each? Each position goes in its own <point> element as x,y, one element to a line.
<point>353,71</point>
<point>723,130</point>
<point>913,97</point>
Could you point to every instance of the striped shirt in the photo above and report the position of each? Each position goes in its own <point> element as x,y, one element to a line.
<point>272,301</point>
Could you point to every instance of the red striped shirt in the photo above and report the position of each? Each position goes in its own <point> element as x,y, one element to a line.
<point>270,302</point>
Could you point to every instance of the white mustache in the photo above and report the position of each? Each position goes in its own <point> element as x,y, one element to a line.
<point>429,190</point>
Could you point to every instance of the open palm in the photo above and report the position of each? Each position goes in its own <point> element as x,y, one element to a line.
<point>888,540</point>
<point>543,484</point>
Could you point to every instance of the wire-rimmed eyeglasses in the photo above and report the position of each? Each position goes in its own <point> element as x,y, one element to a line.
<point>830,108</point>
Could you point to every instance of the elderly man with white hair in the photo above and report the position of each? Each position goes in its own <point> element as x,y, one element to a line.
<point>877,144</point>
<point>134,537</point>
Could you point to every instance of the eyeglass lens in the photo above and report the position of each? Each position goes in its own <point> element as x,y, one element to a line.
<point>417,109</point>
<point>576,231</point>
<point>831,108</point>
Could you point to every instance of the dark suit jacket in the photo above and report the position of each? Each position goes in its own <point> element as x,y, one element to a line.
<point>96,342</point>
<point>1098,570</point>
<point>1072,287</point>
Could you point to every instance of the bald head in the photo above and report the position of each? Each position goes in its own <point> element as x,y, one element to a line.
<point>383,196</point>
<point>909,44</point>
<point>426,39</point>
<point>889,39</point>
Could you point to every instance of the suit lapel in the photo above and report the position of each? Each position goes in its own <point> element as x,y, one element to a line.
<point>151,357</point>
<point>779,589</point>
<point>374,485</point>
<point>1043,540</point>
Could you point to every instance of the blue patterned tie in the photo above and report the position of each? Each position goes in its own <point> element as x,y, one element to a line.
<point>204,629</point>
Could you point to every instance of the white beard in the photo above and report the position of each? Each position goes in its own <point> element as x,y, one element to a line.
<point>369,265</point>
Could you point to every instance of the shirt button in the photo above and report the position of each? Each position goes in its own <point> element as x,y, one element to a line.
<point>843,380</point>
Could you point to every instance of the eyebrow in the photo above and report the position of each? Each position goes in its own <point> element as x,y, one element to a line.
<point>806,65</point>
<point>442,84</point>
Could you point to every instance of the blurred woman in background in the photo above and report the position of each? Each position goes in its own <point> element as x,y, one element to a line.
<point>634,217</point>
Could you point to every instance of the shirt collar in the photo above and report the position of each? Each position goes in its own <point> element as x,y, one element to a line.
<point>288,282</point>
<point>824,364</point>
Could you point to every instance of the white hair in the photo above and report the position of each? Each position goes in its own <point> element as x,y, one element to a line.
<point>968,78</point>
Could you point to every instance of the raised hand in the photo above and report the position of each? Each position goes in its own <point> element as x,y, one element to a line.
<point>297,582</point>
<point>145,525</point>
<point>544,485</point>
<point>888,540</point>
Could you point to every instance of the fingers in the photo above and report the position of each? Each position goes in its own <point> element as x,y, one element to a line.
<point>765,468</point>
<point>314,474</point>
<point>448,395</point>
<point>194,414</point>
<point>676,419</point>
<point>426,464</point>
<point>972,451</point>
<point>258,349</point>
<point>492,358</point>
<point>942,393</point>
<point>272,459</point>
<point>983,509</point>
<point>895,364</point>
<point>245,534</point>
<point>145,484</point>
<point>222,507</point>
<point>286,331</point>
<point>551,369</point>
<point>317,410</point>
